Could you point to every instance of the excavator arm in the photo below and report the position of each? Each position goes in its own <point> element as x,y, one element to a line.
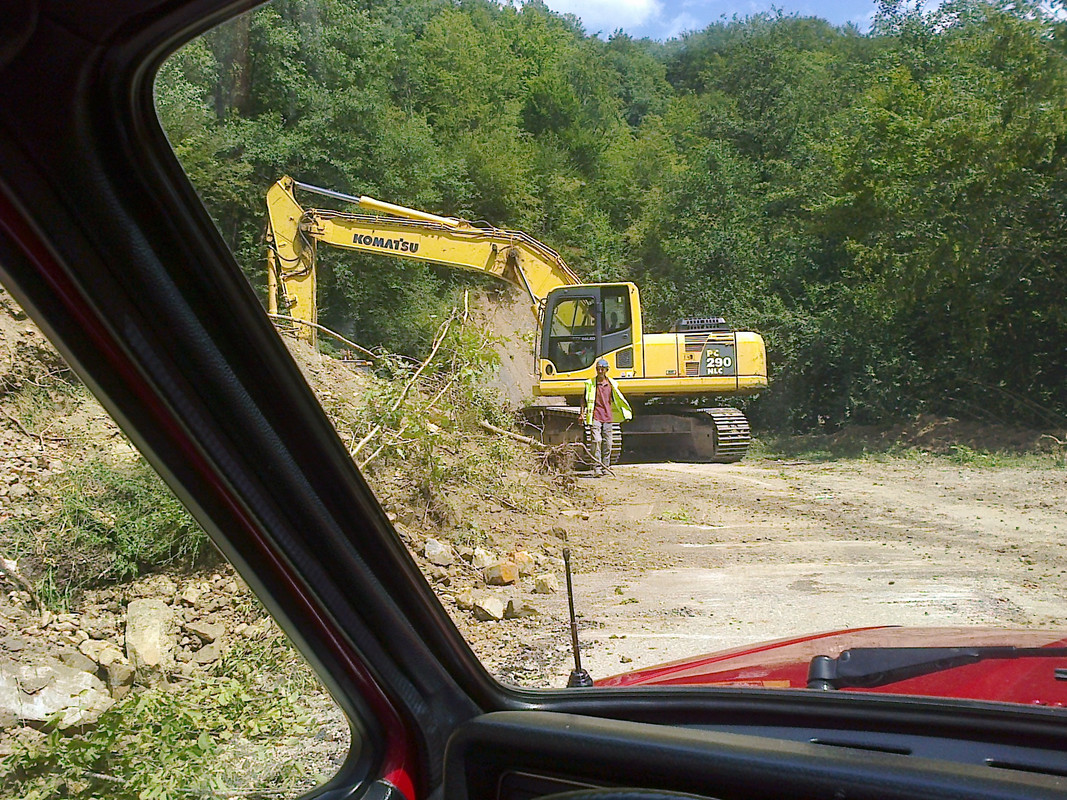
<point>399,232</point>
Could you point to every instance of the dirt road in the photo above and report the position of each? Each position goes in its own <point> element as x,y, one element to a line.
<point>681,559</point>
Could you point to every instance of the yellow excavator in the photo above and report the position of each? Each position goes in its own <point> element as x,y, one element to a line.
<point>665,376</point>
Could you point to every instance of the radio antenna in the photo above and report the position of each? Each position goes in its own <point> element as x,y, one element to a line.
<point>579,677</point>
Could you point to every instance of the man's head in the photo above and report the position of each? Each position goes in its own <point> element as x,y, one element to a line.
<point>601,366</point>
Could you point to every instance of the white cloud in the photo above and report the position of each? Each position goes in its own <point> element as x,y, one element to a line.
<point>680,24</point>
<point>1057,9</point>
<point>608,15</point>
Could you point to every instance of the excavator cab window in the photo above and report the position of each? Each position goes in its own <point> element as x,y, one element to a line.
<point>616,303</point>
<point>572,336</point>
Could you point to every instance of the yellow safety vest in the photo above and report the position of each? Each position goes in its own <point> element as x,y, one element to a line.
<point>620,409</point>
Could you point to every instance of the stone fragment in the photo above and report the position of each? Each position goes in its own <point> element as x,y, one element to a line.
<point>518,608</point>
<point>119,673</point>
<point>524,561</point>
<point>482,558</point>
<point>447,512</point>
<point>13,644</point>
<point>99,626</point>
<point>78,661</point>
<point>208,654</point>
<point>558,532</point>
<point>438,553</point>
<point>35,693</point>
<point>16,615</point>
<point>258,629</point>
<point>488,608</point>
<point>439,575</point>
<point>206,632</point>
<point>546,583</point>
<point>18,490</point>
<point>103,653</point>
<point>155,586</point>
<point>150,640</point>
<point>464,600</point>
<point>503,573</point>
<point>191,594</point>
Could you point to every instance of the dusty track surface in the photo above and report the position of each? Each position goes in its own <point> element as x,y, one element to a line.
<point>680,559</point>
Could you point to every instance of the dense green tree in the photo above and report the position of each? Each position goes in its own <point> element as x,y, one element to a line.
<point>889,209</point>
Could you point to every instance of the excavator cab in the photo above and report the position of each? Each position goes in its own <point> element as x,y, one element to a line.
<point>582,323</point>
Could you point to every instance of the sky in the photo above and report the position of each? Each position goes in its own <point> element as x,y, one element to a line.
<point>662,19</point>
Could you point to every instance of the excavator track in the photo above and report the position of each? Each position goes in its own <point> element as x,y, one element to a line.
<point>732,434</point>
<point>675,433</point>
<point>681,433</point>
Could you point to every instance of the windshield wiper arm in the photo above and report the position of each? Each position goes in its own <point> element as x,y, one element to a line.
<point>878,666</point>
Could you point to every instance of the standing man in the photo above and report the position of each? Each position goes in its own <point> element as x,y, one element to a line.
<point>602,406</point>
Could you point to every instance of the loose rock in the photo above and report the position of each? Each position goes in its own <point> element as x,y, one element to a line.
<point>206,632</point>
<point>482,558</point>
<point>488,608</point>
<point>503,573</point>
<point>149,640</point>
<point>120,677</point>
<point>524,561</point>
<point>78,661</point>
<point>438,553</point>
<point>465,600</point>
<point>34,693</point>
<point>546,584</point>
<point>518,608</point>
<point>208,654</point>
<point>154,586</point>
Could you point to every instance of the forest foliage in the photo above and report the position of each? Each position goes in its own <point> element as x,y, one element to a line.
<point>889,208</point>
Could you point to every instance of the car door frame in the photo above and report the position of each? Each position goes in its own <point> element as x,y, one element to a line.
<point>104,242</point>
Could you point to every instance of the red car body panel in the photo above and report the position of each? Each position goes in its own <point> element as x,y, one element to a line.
<point>783,664</point>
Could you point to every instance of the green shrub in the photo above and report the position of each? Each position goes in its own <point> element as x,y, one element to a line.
<point>185,741</point>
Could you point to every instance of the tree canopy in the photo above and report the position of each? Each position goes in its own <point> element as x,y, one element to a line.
<point>888,209</point>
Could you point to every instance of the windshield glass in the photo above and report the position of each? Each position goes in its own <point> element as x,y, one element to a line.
<point>876,434</point>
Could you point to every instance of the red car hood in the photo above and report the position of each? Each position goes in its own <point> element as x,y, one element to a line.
<point>783,664</point>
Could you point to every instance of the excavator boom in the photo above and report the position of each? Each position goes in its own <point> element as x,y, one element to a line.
<point>403,232</point>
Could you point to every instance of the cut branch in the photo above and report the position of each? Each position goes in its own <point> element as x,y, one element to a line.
<point>9,570</point>
<point>323,329</point>
<point>40,439</point>
<point>517,437</point>
<point>441,333</point>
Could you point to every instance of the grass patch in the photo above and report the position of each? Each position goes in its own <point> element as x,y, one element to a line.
<point>986,459</point>
<point>101,523</point>
<point>810,447</point>
<point>676,515</point>
<point>855,444</point>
